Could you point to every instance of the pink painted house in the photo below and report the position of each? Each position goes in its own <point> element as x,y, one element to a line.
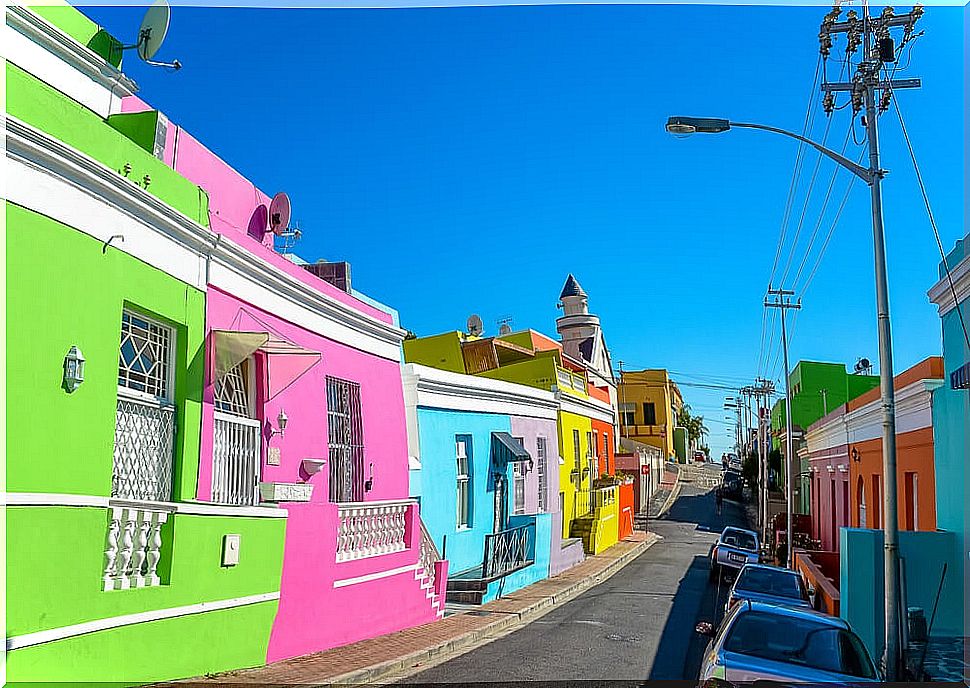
<point>303,408</point>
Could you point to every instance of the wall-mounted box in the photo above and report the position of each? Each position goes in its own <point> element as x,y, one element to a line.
<point>230,549</point>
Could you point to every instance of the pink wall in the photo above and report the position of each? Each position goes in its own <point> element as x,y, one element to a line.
<point>232,202</point>
<point>823,511</point>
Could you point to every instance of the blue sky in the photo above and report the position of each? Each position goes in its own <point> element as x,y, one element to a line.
<point>464,160</point>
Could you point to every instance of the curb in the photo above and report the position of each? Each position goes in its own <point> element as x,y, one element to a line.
<point>467,641</point>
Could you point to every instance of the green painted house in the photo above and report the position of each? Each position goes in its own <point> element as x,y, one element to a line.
<point>816,389</point>
<point>114,572</point>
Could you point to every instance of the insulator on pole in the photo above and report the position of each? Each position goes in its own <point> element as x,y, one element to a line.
<point>885,100</point>
<point>828,103</point>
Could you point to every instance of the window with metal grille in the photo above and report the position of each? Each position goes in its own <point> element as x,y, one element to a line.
<point>606,450</point>
<point>144,359</point>
<point>145,416</point>
<point>346,439</point>
<point>233,391</point>
<point>541,471</point>
<point>463,447</point>
<point>518,483</point>
<point>236,438</point>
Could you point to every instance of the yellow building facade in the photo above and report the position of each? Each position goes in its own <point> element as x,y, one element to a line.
<point>649,402</point>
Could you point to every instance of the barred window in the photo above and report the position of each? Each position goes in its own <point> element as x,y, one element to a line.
<point>346,438</point>
<point>541,470</point>
<point>144,358</point>
<point>233,391</point>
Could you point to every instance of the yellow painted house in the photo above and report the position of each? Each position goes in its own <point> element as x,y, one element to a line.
<point>649,402</point>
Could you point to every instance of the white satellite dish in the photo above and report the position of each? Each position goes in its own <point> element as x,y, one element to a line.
<point>474,325</point>
<point>151,34</point>
<point>154,27</point>
<point>505,329</point>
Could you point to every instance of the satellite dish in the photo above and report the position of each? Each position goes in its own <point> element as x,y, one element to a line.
<point>258,222</point>
<point>279,213</point>
<point>505,329</point>
<point>474,325</point>
<point>154,26</point>
<point>865,363</point>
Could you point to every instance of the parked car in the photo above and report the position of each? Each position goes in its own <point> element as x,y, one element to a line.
<point>763,642</point>
<point>769,584</point>
<point>732,485</point>
<point>735,548</point>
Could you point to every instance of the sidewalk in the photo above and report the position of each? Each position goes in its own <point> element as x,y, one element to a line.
<point>664,495</point>
<point>407,651</point>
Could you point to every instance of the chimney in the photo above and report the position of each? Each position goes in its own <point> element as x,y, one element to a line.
<point>337,274</point>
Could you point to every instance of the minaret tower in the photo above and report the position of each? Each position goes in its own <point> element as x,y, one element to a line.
<point>576,325</point>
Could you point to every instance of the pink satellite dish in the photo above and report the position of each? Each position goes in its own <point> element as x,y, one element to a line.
<point>279,213</point>
<point>258,222</point>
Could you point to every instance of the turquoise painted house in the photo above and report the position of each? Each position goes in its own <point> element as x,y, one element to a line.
<point>484,466</point>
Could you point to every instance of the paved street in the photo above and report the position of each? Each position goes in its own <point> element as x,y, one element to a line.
<point>637,625</point>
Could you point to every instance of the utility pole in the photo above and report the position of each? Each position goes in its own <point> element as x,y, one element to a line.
<point>782,300</point>
<point>762,390</point>
<point>623,427</point>
<point>878,50</point>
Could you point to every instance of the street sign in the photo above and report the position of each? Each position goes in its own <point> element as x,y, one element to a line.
<point>645,469</point>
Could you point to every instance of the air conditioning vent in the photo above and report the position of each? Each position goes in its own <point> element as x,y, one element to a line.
<point>337,274</point>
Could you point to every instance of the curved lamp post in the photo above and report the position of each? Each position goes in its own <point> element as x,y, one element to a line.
<point>872,176</point>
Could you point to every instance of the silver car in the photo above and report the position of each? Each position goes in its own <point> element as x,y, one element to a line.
<point>735,548</point>
<point>769,584</point>
<point>763,642</point>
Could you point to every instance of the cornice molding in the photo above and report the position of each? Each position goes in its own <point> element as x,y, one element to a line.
<point>71,52</point>
<point>434,388</point>
<point>39,150</point>
<point>940,293</point>
<point>583,406</point>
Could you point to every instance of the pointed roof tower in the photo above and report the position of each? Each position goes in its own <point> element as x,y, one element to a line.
<point>571,288</point>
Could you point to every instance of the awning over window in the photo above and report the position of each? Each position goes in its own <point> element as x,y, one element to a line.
<point>287,361</point>
<point>507,448</point>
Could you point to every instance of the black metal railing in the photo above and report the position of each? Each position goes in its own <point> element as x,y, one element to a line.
<point>508,549</point>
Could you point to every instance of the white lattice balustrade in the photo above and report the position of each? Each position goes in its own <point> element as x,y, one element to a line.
<point>371,529</point>
<point>134,547</point>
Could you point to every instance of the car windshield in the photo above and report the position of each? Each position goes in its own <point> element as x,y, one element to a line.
<point>770,582</point>
<point>805,642</point>
<point>739,539</point>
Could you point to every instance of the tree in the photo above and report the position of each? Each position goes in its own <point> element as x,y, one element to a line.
<point>694,425</point>
<point>749,469</point>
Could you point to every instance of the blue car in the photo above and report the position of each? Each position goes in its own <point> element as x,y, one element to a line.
<point>764,642</point>
<point>769,584</point>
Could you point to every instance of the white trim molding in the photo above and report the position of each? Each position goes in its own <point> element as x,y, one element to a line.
<point>56,58</point>
<point>344,582</point>
<point>17,642</point>
<point>56,180</point>
<point>194,508</point>
<point>434,388</point>
<point>588,407</point>
<point>940,293</point>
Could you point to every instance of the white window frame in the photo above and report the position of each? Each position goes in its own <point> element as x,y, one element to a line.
<point>249,379</point>
<point>139,395</point>
<point>542,468</point>
<point>628,407</point>
<point>518,483</point>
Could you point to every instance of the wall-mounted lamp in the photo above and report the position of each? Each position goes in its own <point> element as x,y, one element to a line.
<point>843,468</point>
<point>281,421</point>
<point>855,454</point>
<point>369,483</point>
<point>73,369</point>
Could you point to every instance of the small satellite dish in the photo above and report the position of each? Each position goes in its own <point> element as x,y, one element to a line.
<point>505,329</point>
<point>154,27</point>
<point>474,325</point>
<point>258,221</point>
<point>279,213</point>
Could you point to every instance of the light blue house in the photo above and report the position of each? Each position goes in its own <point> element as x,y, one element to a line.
<point>478,475</point>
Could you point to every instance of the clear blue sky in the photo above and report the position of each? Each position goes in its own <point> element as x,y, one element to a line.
<point>466,159</point>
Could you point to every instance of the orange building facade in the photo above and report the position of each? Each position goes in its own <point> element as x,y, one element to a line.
<point>844,449</point>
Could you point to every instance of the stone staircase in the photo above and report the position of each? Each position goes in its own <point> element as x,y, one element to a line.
<point>424,572</point>
<point>584,528</point>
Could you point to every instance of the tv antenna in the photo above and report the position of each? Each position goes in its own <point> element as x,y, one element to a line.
<point>474,325</point>
<point>151,34</point>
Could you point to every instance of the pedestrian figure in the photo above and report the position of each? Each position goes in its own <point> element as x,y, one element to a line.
<point>718,499</point>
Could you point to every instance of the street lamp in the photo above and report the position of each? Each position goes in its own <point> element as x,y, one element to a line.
<point>872,176</point>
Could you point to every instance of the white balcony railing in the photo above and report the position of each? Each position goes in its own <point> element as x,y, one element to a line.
<point>235,460</point>
<point>144,434</point>
<point>428,555</point>
<point>370,529</point>
<point>134,547</point>
<point>570,380</point>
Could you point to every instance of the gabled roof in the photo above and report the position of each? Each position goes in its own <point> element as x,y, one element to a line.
<point>571,288</point>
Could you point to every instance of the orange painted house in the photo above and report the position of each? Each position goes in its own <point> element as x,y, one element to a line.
<point>845,459</point>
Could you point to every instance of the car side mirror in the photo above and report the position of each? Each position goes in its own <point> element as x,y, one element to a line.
<point>705,628</point>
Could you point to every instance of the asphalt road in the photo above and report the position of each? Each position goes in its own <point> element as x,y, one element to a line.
<point>637,625</point>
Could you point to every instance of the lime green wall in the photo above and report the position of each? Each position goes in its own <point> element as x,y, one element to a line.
<point>442,351</point>
<point>139,127</point>
<point>538,372</point>
<point>63,291</point>
<point>45,108</point>
<point>81,29</point>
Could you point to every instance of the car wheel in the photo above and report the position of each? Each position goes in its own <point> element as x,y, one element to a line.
<point>713,573</point>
